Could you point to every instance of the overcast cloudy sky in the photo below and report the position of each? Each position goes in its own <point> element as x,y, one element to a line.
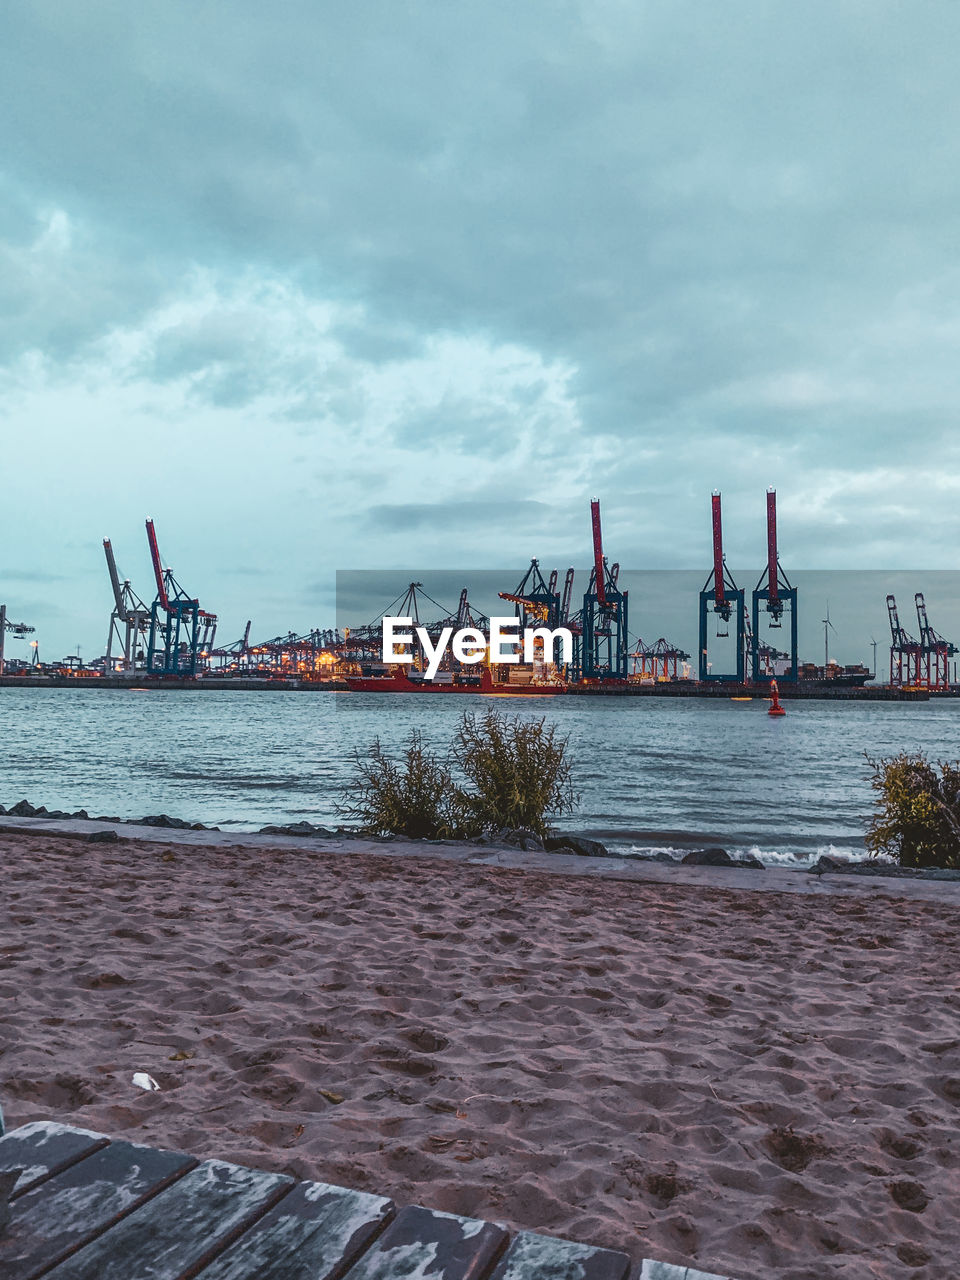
<point>321,285</point>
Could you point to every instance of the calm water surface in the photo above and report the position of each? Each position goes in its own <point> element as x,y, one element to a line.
<point>652,772</point>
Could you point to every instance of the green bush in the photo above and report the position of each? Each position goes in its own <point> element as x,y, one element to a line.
<point>414,798</point>
<point>510,773</point>
<point>917,817</point>
<point>518,769</point>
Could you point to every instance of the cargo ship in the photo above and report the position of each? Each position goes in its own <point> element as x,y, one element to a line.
<point>809,674</point>
<point>399,680</point>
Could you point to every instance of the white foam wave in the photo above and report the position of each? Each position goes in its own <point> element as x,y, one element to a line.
<point>792,860</point>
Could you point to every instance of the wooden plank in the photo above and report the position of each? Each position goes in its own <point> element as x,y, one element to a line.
<point>315,1231</point>
<point>57,1217</point>
<point>422,1243</point>
<point>43,1148</point>
<point>536,1257</point>
<point>176,1233</point>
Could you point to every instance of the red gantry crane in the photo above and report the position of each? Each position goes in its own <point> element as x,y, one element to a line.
<point>935,651</point>
<point>905,652</point>
<point>658,662</point>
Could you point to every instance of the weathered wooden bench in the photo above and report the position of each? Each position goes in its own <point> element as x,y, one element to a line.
<point>85,1207</point>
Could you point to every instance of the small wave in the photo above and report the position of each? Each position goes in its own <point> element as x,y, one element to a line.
<point>777,857</point>
<point>233,781</point>
<point>788,859</point>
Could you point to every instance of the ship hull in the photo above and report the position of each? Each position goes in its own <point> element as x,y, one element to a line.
<point>399,682</point>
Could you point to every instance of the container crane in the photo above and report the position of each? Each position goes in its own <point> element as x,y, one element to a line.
<point>310,656</point>
<point>905,652</point>
<point>15,628</point>
<point>721,596</point>
<point>364,645</point>
<point>775,593</point>
<point>935,651</point>
<point>658,662</point>
<point>537,598</point>
<point>130,619</point>
<point>603,618</point>
<point>235,655</point>
<point>181,633</point>
<point>464,616</point>
<point>599,561</point>
<point>567,596</point>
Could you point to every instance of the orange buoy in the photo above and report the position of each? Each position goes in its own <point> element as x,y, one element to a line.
<point>775,708</point>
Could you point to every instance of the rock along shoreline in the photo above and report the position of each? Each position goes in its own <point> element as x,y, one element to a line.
<point>509,838</point>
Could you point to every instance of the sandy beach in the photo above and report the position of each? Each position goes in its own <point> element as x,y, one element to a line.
<point>764,1084</point>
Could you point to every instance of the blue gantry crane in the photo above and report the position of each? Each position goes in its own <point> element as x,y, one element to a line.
<point>722,597</point>
<point>181,633</point>
<point>18,629</point>
<point>775,593</point>
<point>538,601</point>
<point>603,618</point>
<point>129,621</point>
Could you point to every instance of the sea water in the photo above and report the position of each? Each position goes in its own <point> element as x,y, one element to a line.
<point>652,773</point>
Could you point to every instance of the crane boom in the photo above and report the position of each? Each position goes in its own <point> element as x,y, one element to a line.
<point>600,576</point>
<point>567,596</point>
<point>773,561</point>
<point>157,566</point>
<point>719,592</point>
<point>536,607</point>
<point>898,636</point>
<point>114,579</point>
<point>926,633</point>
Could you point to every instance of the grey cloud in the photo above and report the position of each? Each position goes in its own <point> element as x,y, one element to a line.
<point>571,194</point>
<point>30,575</point>
<point>378,344</point>
<point>477,428</point>
<point>691,210</point>
<point>458,518</point>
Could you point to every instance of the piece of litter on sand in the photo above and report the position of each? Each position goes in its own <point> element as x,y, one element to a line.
<point>143,1081</point>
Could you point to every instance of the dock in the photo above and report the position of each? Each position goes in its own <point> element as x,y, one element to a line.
<point>800,691</point>
<point>85,1207</point>
<point>605,689</point>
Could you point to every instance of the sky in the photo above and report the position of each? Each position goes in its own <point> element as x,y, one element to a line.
<point>327,287</point>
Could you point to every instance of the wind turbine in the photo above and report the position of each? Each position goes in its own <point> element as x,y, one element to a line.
<point>827,628</point>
